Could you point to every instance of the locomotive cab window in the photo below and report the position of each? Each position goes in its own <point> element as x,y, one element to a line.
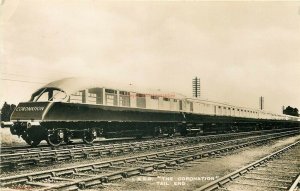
<point>48,94</point>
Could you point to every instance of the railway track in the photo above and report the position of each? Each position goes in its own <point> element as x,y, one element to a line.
<point>46,147</point>
<point>26,148</point>
<point>98,173</point>
<point>277,171</point>
<point>17,160</point>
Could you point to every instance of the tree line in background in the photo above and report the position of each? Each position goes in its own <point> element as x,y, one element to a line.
<point>6,111</point>
<point>291,111</point>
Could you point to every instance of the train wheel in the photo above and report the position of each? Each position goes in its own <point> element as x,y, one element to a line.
<point>55,138</point>
<point>67,140</point>
<point>183,131</point>
<point>157,132</point>
<point>172,132</point>
<point>67,137</point>
<point>89,136</point>
<point>30,141</point>
<point>33,143</point>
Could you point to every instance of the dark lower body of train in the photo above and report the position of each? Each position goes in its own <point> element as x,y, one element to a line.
<point>58,122</point>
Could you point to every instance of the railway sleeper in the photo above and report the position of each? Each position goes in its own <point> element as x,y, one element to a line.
<point>86,154</point>
<point>14,182</point>
<point>132,173</point>
<point>235,176</point>
<point>64,172</point>
<point>112,177</point>
<point>189,159</point>
<point>223,182</point>
<point>160,166</point>
<point>83,169</point>
<point>105,165</point>
<point>89,183</point>
<point>147,169</point>
<point>172,163</point>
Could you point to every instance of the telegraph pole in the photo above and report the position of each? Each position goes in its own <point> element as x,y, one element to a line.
<point>261,102</point>
<point>196,87</point>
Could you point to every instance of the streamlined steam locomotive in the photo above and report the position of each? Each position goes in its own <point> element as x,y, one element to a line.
<point>82,108</point>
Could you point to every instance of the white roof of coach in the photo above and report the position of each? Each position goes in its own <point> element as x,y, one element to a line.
<point>72,85</point>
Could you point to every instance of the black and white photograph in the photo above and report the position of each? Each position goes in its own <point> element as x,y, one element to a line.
<point>149,95</point>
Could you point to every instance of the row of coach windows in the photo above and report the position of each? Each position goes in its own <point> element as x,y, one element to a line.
<point>122,98</point>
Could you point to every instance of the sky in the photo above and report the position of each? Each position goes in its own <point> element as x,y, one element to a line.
<point>240,50</point>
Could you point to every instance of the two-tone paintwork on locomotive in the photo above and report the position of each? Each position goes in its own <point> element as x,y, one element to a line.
<point>81,108</point>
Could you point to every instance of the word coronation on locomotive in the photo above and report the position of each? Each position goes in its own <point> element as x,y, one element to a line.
<point>30,108</point>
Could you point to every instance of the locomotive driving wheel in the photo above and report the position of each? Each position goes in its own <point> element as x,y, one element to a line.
<point>89,136</point>
<point>30,141</point>
<point>55,137</point>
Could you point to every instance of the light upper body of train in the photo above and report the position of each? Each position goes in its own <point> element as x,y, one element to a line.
<point>83,108</point>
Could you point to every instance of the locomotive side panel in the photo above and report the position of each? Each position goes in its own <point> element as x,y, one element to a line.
<point>86,112</point>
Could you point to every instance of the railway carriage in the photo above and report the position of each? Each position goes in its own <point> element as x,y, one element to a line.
<point>81,108</point>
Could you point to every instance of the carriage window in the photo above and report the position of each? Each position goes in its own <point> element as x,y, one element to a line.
<point>191,106</point>
<point>166,99</point>
<point>154,97</point>
<point>124,93</point>
<point>110,91</point>
<point>124,99</point>
<point>111,97</point>
<point>140,100</point>
<point>180,104</point>
<point>78,97</point>
<point>95,96</point>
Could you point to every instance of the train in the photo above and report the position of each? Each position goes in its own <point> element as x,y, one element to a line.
<point>82,108</point>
